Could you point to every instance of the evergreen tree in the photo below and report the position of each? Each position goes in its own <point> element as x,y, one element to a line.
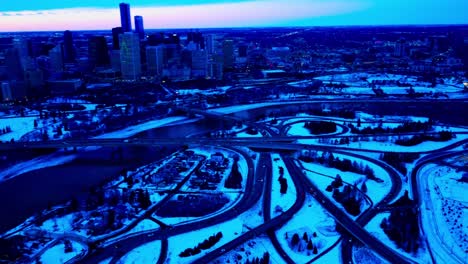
<point>295,239</point>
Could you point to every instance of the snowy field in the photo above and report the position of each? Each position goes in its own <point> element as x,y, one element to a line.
<point>389,146</point>
<point>250,250</point>
<point>19,127</point>
<point>36,164</point>
<point>322,224</point>
<point>281,202</point>
<point>444,216</point>
<point>56,254</point>
<point>147,253</point>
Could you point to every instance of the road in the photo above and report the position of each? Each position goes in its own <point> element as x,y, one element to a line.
<point>253,191</point>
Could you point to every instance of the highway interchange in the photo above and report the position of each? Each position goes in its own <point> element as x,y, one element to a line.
<point>259,181</point>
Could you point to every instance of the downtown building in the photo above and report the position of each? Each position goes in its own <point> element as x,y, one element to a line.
<point>130,57</point>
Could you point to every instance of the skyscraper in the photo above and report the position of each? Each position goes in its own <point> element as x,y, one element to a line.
<point>155,59</point>
<point>228,52</point>
<point>130,58</point>
<point>125,17</point>
<point>68,48</point>
<point>98,53</point>
<point>115,37</point>
<point>139,29</point>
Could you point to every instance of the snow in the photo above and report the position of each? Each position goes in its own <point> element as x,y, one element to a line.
<point>245,135</point>
<point>56,254</point>
<point>444,195</point>
<point>144,225</point>
<point>283,201</point>
<point>321,223</point>
<point>375,190</point>
<point>389,146</point>
<point>60,224</point>
<point>230,230</point>
<point>364,255</point>
<point>133,130</point>
<point>373,227</point>
<point>147,253</point>
<point>334,256</point>
<point>19,127</point>
<point>250,250</point>
<point>35,164</point>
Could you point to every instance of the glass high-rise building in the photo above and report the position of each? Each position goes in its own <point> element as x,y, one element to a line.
<point>130,57</point>
<point>125,17</point>
<point>139,28</point>
<point>115,37</point>
<point>68,47</point>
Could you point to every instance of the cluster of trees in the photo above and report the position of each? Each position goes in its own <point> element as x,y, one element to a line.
<point>283,182</point>
<point>350,197</point>
<point>206,244</point>
<point>5,130</point>
<point>406,127</point>
<point>251,131</point>
<point>398,160</point>
<point>329,160</point>
<point>306,242</point>
<point>321,127</point>
<point>402,225</point>
<point>345,113</point>
<point>234,180</point>
<point>265,259</point>
<point>141,197</point>
<point>442,136</point>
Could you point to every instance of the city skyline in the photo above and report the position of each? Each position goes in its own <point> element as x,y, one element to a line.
<point>51,16</point>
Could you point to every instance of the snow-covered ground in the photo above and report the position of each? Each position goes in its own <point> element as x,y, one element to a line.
<point>245,135</point>
<point>444,213</point>
<point>422,256</point>
<point>281,202</point>
<point>389,146</point>
<point>310,219</point>
<point>364,255</point>
<point>19,127</point>
<point>144,225</point>
<point>252,249</point>
<point>230,230</point>
<point>56,254</point>
<point>35,164</point>
<point>147,253</point>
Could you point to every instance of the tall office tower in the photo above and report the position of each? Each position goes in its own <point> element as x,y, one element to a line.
<point>13,64</point>
<point>210,44</point>
<point>130,58</point>
<point>243,50</point>
<point>139,29</point>
<point>199,63</point>
<point>228,52</point>
<point>68,47</point>
<point>115,37</point>
<point>115,60</point>
<point>400,48</point>
<point>97,52</point>
<point>215,66</point>
<point>155,59</point>
<point>125,18</point>
<point>56,61</point>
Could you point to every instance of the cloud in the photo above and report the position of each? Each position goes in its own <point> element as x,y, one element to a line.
<point>229,14</point>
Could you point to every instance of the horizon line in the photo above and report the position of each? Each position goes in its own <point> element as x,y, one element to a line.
<point>251,27</point>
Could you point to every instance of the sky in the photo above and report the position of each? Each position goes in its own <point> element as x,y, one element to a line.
<point>45,15</point>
